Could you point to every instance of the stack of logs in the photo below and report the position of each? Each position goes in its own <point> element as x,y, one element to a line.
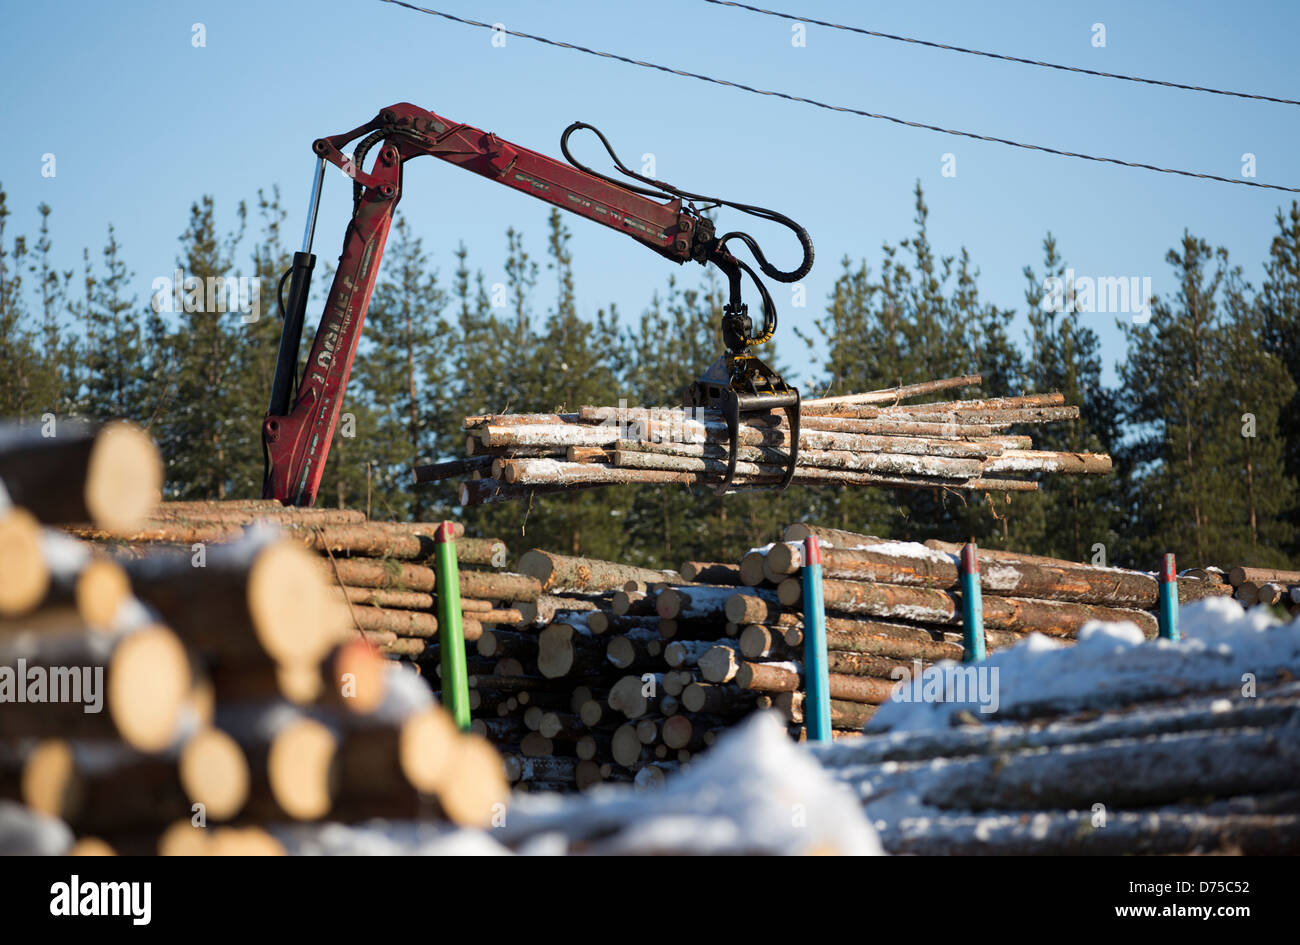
<point>894,608</point>
<point>1172,768</point>
<point>380,569</point>
<point>863,439</point>
<point>1267,586</point>
<point>149,691</point>
<point>583,671</point>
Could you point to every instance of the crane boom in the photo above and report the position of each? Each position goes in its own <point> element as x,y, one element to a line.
<point>296,436</point>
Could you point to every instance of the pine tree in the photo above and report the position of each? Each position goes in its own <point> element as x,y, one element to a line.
<point>1184,397</point>
<point>1070,517</point>
<point>203,431</point>
<point>56,379</point>
<point>116,370</point>
<point>923,318</point>
<point>1257,391</point>
<point>864,352</point>
<point>20,394</point>
<point>1279,303</point>
<point>404,368</point>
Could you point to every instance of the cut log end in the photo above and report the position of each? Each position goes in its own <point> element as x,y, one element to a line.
<point>149,688</point>
<point>123,478</point>
<point>102,587</point>
<point>244,841</point>
<point>479,792</point>
<point>91,846</point>
<point>24,575</point>
<point>425,749</point>
<point>182,838</point>
<point>214,773</point>
<point>49,779</point>
<point>359,674</point>
<point>296,619</point>
<point>301,769</point>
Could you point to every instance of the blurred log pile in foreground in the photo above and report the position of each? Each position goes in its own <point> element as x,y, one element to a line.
<point>150,691</point>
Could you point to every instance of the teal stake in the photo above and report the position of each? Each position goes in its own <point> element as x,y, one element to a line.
<point>1168,599</point>
<point>817,683</point>
<point>451,632</point>
<point>972,606</point>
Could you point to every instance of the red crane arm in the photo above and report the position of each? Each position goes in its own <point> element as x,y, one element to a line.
<point>297,440</point>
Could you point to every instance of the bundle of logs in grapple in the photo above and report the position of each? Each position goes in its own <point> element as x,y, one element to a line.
<point>199,698</point>
<point>867,439</point>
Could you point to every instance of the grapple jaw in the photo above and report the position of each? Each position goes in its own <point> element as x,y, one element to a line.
<point>737,385</point>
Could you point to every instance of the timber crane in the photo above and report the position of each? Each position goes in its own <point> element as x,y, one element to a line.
<point>303,413</point>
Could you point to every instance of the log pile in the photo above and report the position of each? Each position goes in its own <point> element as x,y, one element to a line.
<point>380,570</point>
<point>619,673</point>
<point>894,608</point>
<point>64,472</point>
<point>1200,772</point>
<point>149,691</point>
<point>584,671</point>
<point>865,439</point>
<point>1266,586</point>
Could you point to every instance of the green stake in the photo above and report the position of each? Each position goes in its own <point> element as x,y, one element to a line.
<point>451,633</point>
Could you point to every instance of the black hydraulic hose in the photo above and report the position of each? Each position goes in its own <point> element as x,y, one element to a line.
<point>666,190</point>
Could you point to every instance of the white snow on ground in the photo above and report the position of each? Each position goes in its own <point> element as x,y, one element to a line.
<point>1112,664</point>
<point>23,832</point>
<point>755,791</point>
<point>383,838</point>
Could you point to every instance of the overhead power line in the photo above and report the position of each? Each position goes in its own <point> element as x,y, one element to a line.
<point>842,108</point>
<point>993,55</point>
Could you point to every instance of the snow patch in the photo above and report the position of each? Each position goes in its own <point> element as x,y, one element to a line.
<point>1113,663</point>
<point>754,792</point>
<point>23,832</point>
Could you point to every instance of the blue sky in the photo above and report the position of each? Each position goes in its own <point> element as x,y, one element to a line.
<point>142,123</point>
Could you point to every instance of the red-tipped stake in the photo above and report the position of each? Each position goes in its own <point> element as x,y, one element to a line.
<point>1168,599</point>
<point>972,606</point>
<point>817,685</point>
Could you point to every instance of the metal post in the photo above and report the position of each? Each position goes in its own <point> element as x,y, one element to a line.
<point>451,633</point>
<point>295,309</point>
<point>817,686</point>
<point>1168,599</point>
<point>972,606</point>
<point>313,205</point>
